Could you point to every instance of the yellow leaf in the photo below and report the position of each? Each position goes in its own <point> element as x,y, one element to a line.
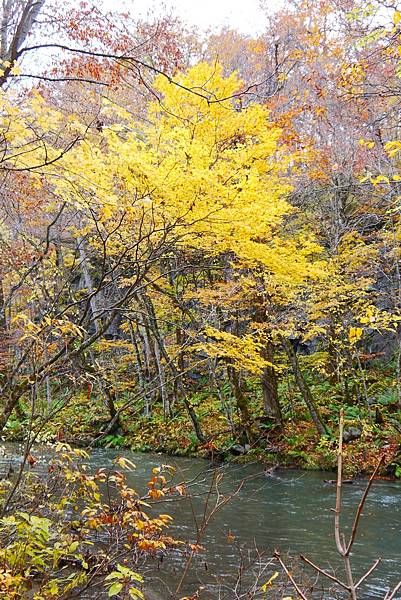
<point>380,179</point>
<point>124,463</point>
<point>107,211</point>
<point>355,334</point>
<point>16,70</point>
<point>269,582</point>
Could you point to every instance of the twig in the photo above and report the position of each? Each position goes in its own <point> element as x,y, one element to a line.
<point>337,509</point>
<point>290,577</point>
<point>207,516</point>
<point>328,575</point>
<point>361,505</point>
<point>339,537</point>
<point>372,568</point>
<point>390,595</point>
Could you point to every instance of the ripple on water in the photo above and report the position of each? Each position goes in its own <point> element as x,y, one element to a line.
<point>290,511</point>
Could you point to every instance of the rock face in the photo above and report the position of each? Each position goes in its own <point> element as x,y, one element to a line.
<point>351,433</point>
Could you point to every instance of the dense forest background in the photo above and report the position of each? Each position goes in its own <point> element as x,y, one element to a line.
<point>200,233</point>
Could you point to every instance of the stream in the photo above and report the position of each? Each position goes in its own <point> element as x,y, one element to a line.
<point>289,511</point>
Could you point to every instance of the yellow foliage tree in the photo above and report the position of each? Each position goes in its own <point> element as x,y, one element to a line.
<point>205,172</point>
<point>204,165</point>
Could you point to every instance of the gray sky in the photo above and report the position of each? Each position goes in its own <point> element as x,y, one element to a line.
<point>244,15</point>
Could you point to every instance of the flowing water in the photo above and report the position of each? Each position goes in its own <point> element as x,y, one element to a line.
<point>289,511</point>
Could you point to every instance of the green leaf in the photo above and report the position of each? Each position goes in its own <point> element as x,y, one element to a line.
<point>53,588</point>
<point>115,589</point>
<point>136,594</point>
<point>123,570</point>
<point>25,516</point>
<point>113,575</point>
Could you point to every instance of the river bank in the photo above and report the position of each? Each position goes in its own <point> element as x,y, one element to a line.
<point>297,445</point>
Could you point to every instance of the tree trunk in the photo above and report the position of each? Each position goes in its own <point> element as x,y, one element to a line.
<point>110,394</point>
<point>303,387</point>
<point>397,352</point>
<point>241,402</point>
<point>10,405</point>
<point>141,372</point>
<point>3,321</point>
<point>226,405</point>
<point>162,381</point>
<point>4,336</point>
<point>270,387</point>
<point>159,350</point>
<point>89,283</point>
<point>195,422</point>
